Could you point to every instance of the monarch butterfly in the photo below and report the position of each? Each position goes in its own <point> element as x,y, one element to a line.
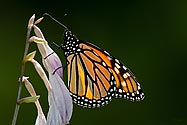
<point>95,76</point>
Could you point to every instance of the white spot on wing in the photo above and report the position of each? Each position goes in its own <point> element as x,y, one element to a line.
<point>94,105</point>
<point>104,64</point>
<point>125,76</point>
<point>106,52</point>
<point>117,65</point>
<point>117,60</point>
<point>139,88</point>
<point>99,101</point>
<point>124,68</point>
<point>86,100</point>
<point>128,74</point>
<point>120,91</point>
<point>117,71</point>
<point>112,77</point>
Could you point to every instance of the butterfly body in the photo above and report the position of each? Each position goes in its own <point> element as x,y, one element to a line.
<point>95,76</point>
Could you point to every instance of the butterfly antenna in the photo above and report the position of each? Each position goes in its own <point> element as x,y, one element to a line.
<point>46,14</point>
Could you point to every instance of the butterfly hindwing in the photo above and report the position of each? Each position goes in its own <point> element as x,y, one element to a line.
<point>90,80</point>
<point>126,84</point>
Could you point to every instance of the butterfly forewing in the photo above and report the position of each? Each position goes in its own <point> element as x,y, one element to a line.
<point>126,83</point>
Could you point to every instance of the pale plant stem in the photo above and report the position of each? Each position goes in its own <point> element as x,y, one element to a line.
<point>21,77</point>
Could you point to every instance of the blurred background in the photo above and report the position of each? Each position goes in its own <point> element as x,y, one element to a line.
<point>149,36</point>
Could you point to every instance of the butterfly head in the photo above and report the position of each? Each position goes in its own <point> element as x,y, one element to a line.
<point>71,43</point>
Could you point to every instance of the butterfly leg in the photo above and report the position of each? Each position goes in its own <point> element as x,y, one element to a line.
<point>56,45</point>
<point>62,67</point>
<point>67,63</point>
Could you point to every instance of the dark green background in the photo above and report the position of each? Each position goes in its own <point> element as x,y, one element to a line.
<point>149,36</point>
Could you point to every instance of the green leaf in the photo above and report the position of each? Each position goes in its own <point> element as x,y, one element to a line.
<point>31,99</point>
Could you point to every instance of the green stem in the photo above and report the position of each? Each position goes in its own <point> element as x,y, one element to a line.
<point>21,77</point>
